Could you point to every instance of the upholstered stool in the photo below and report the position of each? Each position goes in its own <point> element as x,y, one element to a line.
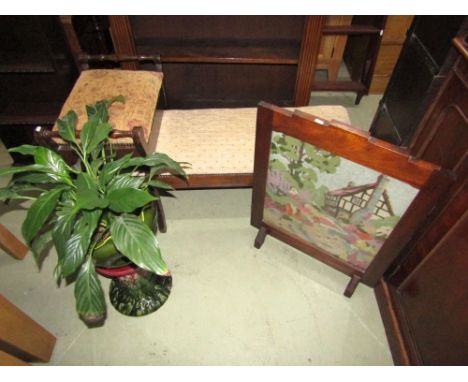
<point>141,91</point>
<point>220,143</point>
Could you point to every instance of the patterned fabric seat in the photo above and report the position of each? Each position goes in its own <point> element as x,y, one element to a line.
<point>140,88</point>
<point>214,141</point>
<point>220,141</point>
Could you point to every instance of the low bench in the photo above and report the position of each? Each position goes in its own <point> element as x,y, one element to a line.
<point>218,143</point>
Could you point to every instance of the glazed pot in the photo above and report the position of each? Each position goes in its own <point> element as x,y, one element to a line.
<point>109,261</point>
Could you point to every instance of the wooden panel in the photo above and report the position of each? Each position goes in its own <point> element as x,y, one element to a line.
<point>440,281</point>
<point>22,336</point>
<point>386,60</point>
<point>379,84</point>
<point>308,59</point>
<point>446,123</point>
<point>122,38</point>
<point>9,360</point>
<point>396,28</point>
<point>423,299</point>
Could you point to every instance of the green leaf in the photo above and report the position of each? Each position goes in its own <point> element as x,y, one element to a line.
<point>24,149</point>
<point>61,234</point>
<point>39,212</point>
<point>56,167</point>
<point>100,108</point>
<point>88,196</point>
<point>161,185</point>
<point>39,244</point>
<point>125,181</point>
<point>34,178</point>
<point>9,194</point>
<point>161,162</point>
<point>136,241</point>
<point>77,245</point>
<point>84,182</point>
<point>96,164</point>
<point>93,133</point>
<point>111,169</point>
<point>19,169</point>
<point>90,200</point>
<point>67,126</point>
<point>128,199</point>
<point>90,301</point>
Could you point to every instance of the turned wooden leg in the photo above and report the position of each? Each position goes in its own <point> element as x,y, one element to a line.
<point>262,232</point>
<point>10,244</point>
<point>351,287</point>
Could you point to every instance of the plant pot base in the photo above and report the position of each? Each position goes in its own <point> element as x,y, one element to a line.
<point>140,293</point>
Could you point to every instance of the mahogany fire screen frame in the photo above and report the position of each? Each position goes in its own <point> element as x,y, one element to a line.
<point>331,191</point>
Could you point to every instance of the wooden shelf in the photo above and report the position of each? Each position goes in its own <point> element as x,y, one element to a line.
<point>354,86</point>
<point>30,113</point>
<point>25,63</point>
<point>221,51</point>
<point>351,30</point>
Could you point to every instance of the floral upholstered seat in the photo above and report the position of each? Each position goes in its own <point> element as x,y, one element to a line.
<point>140,88</point>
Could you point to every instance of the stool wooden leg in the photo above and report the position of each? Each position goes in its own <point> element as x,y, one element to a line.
<point>261,235</point>
<point>10,244</point>
<point>352,285</point>
<point>23,337</point>
<point>161,216</point>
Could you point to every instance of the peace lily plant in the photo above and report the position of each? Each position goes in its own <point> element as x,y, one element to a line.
<point>78,206</point>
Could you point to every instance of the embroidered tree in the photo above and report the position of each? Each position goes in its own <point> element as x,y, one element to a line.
<point>298,163</point>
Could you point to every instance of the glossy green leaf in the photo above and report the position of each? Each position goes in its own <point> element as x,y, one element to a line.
<point>56,167</point>
<point>90,200</point>
<point>39,212</point>
<point>111,169</point>
<point>39,244</point>
<point>128,199</point>
<point>78,244</point>
<point>136,241</point>
<point>40,178</point>
<point>24,149</point>
<point>19,169</point>
<point>100,108</point>
<point>67,126</point>
<point>161,185</point>
<point>93,133</point>
<point>125,181</point>
<point>62,232</point>
<point>90,301</point>
<point>87,194</point>
<point>162,162</point>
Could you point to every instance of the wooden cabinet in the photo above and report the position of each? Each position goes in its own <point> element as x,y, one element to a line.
<point>394,36</point>
<point>332,47</point>
<point>36,74</point>
<point>216,61</point>
<point>424,62</point>
<point>424,298</point>
<point>354,40</point>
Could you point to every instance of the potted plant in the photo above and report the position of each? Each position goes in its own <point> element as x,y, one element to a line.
<point>94,211</point>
